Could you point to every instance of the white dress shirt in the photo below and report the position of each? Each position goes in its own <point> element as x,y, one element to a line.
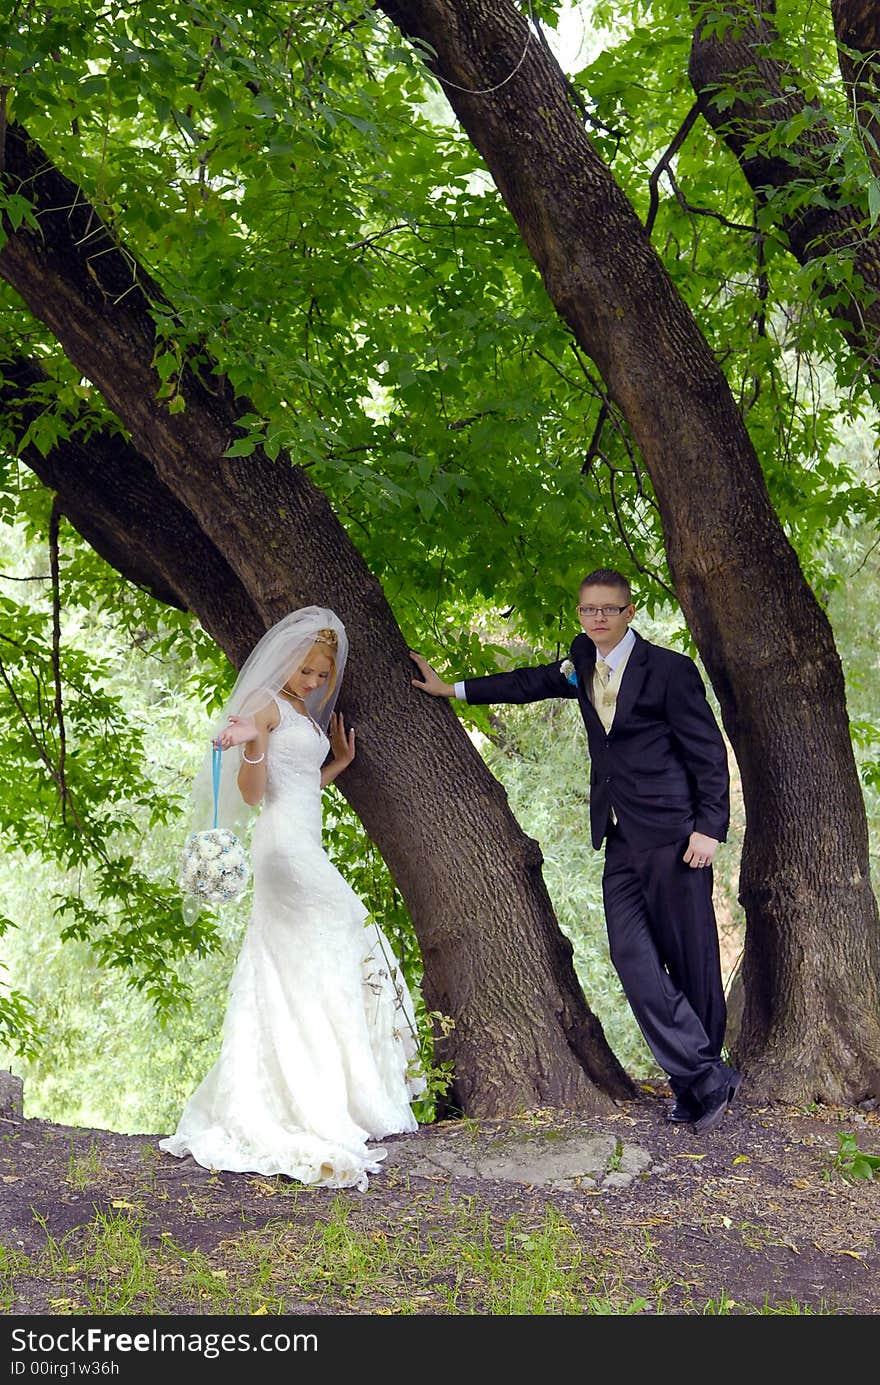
<point>605,697</point>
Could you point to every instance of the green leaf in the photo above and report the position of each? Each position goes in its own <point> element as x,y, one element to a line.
<point>242,447</point>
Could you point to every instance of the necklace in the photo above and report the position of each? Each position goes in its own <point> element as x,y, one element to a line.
<point>295,697</point>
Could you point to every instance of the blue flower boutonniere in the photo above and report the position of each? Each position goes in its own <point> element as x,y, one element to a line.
<point>566,668</point>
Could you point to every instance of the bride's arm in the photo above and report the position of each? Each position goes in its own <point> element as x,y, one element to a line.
<point>342,745</point>
<point>251,733</point>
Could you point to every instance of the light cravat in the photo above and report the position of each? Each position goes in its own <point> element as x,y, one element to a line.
<point>605,692</point>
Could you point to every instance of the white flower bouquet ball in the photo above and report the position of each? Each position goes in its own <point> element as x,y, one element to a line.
<point>214,866</point>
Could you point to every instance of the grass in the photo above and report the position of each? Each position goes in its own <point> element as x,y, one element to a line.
<point>459,1260</point>
<point>724,1306</point>
<point>83,1169</point>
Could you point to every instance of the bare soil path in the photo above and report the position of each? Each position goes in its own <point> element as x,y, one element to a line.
<point>640,1215</point>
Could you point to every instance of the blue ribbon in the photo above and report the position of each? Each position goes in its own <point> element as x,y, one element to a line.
<point>216,756</point>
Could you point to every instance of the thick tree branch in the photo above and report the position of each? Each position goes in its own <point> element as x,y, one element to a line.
<point>816,219</point>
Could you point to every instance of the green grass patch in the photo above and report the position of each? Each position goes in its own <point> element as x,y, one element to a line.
<point>455,1259</point>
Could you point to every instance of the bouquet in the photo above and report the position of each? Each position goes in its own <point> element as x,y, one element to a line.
<point>566,668</point>
<point>213,866</point>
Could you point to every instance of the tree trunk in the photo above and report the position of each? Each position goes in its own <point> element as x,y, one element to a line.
<point>857,29</point>
<point>770,92</point>
<point>494,958</point>
<point>811,1028</point>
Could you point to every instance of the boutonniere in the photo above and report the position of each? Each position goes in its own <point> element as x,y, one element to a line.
<point>566,668</point>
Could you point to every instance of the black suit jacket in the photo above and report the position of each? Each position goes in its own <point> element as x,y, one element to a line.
<point>663,765</point>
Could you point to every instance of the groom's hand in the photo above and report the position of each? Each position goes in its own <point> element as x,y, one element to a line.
<point>430,682</point>
<point>700,850</point>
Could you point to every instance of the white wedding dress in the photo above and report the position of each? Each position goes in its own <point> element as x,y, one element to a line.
<point>318,1053</point>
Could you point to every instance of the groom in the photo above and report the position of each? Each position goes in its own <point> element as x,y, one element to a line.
<point>659,798</point>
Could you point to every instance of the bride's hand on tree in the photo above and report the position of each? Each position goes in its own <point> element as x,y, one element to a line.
<point>341,741</point>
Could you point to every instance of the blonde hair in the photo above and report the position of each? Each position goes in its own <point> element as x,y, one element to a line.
<point>327,640</point>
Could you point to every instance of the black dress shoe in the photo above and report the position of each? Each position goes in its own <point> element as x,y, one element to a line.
<point>683,1112</point>
<point>716,1103</point>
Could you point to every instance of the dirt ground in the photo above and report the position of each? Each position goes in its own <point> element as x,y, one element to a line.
<point>753,1216</point>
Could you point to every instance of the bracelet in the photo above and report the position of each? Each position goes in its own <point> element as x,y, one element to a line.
<point>252,762</point>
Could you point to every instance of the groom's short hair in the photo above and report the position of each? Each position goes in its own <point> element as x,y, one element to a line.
<point>607,577</point>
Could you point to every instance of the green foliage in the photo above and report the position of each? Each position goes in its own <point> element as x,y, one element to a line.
<point>20,1029</point>
<point>850,1162</point>
<point>95,946</point>
<point>89,801</point>
<point>358,279</point>
<point>353,274</point>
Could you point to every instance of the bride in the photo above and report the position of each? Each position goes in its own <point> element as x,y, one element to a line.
<point>319,1051</point>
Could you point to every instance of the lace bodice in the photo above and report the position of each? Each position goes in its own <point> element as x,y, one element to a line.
<point>297,750</point>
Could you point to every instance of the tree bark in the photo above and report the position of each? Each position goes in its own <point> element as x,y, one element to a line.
<point>770,91</point>
<point>811,1028</point>
<point>857,29</point>
<point>494,957</point>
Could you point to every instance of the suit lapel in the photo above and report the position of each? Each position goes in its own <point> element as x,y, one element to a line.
<point>632,680</point>
<point>583,656</point>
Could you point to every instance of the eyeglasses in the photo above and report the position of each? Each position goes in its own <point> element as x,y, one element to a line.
<point>601,610</point>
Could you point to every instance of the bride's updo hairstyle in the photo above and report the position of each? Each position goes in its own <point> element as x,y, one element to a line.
<point>326,642</point>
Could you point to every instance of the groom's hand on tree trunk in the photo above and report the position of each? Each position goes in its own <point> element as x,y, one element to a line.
<point>430,681</point>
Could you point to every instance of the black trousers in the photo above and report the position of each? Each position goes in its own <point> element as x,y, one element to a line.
<point>664,946</point>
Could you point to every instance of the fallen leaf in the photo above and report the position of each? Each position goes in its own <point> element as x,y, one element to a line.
<point>121,1202</point>
<point>690,1156</point>
<point>262,1188</point>
<point>743,1159</point>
